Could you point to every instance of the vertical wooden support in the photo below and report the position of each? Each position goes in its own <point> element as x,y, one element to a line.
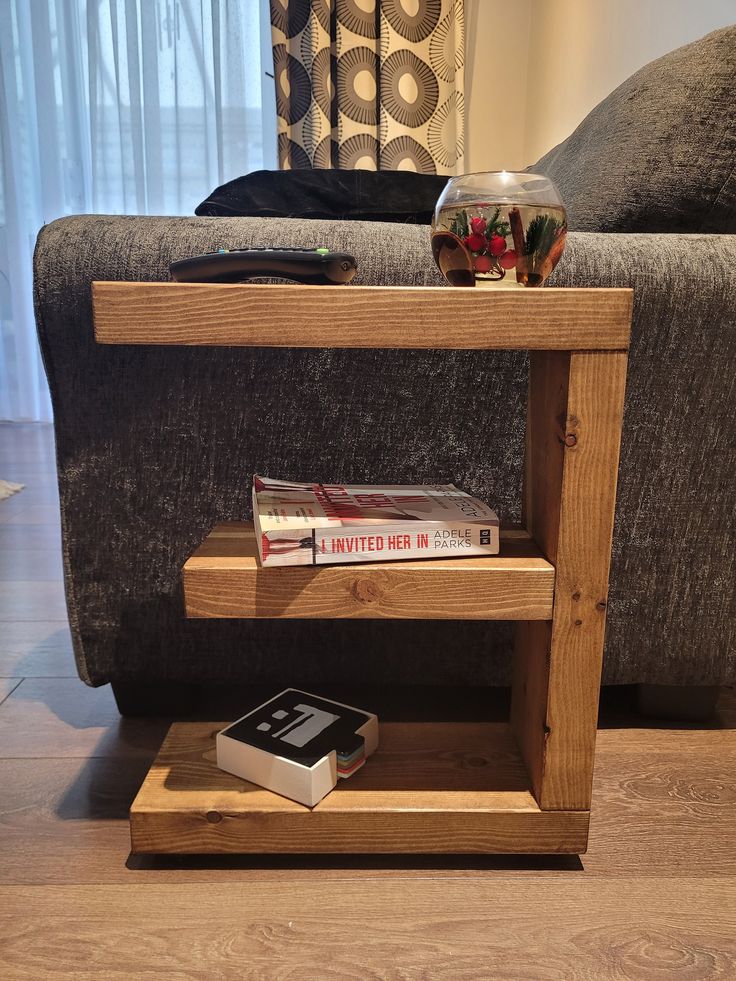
<point>573,435</point>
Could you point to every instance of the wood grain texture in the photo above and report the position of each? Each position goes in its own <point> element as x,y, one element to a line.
<point>515,930</point>
<point>30,565</point>
<point>429,788</point>
<point>36,649</point>
<point>32,600</point>
<point>224,579</point>
<point>14,537</point>
<point>7,685</point>
<point>576,408</point>
<point>66,821</point>
<point>360,316</point>
<point>652,900</point>
<point>27,513</point>
<point>61,717</point>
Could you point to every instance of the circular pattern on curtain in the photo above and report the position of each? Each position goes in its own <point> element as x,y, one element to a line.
<point>414,27</point>
<point>359,152</point>
<point>322,11</point>
<point>310,44</point>
<point>322,85</point>
<point>311,131</point>
<point>404,153</point>
<point>359,17</point>
<point>356,85</point>
<point>444,140</point>
<point>323,158</point>
<point>290,16</point>
<point>293,88</point>
<point>409,89</point>
<point>291,155</point>
<point>445,54</point>
<point>365,83</point>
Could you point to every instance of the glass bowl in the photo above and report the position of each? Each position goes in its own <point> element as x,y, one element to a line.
<point>498,229</point>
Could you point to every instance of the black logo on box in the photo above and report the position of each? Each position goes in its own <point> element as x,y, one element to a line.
<point>301,727</point>
<point>485,536</point>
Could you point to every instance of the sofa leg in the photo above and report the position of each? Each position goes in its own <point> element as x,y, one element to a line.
<point>679,703</point>
<point>156,699</point>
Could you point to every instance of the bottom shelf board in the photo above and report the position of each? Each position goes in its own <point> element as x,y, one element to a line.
<point>430,788</point>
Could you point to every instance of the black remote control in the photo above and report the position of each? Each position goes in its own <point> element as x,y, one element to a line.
<point>309,266</point>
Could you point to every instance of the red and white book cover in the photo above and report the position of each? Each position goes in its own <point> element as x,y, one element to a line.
<point>327,524</point>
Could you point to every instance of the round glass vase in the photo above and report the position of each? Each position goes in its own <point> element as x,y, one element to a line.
<point>499,229</point>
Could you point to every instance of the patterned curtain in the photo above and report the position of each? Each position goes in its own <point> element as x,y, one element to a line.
<point>372,84</point>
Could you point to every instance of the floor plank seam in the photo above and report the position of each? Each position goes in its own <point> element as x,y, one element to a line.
<point>7,694</point>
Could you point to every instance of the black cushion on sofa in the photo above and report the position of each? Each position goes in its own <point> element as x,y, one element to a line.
<point>384,195</point>
<point>658,154</point>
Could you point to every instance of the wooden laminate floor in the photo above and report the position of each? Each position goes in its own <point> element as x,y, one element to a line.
<point>654,898</point>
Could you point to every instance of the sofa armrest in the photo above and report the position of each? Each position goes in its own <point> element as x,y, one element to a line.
<point>74,251</point>
<point>673,584</point>
<point>157,444</point>
<point>154,445</point>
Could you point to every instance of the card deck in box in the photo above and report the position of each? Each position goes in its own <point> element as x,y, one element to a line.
<point>298,745</point>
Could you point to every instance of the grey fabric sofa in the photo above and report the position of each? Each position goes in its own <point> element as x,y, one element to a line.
<point>155,445</point>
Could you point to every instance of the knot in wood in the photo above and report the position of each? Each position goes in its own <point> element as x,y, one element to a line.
<point>366,591</point>
<point>570,439</point>
<point>601,605</point>
<point>214,817</point>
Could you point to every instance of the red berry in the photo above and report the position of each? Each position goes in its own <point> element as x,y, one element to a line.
<point>475,242</point>
<point>497,245</point>
<point>478,224</point>
<point>482,263</point>
<point>507,260</point>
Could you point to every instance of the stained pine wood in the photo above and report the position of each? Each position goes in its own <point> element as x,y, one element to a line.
<point>429,788</point>
<point>571,459</point>
<point>574,431</point>
<point>360,316</point>
<point>66,821</point>
<point>224,579</point>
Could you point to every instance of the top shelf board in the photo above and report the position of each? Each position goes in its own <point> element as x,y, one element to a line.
<point>251,315</point>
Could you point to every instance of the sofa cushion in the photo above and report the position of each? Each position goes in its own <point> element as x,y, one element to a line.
<point>658,154</point>
<point>385,195</point>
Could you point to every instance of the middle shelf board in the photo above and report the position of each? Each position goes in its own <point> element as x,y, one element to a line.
<point>223,579</point>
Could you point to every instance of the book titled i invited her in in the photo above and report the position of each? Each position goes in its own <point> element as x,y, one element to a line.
<point>327,524</point>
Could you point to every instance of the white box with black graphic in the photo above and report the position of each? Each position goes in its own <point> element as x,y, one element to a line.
<point>298,745</point>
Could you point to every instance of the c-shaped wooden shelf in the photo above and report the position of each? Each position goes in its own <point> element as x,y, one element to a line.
<point>525,786</point>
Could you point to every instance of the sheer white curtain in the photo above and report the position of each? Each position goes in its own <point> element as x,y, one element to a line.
<point>117,106</point>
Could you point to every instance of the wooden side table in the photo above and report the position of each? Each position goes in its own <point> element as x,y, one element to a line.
<point>524,786</point>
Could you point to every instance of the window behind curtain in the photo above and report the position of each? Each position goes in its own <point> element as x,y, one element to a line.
<point>117,106</point>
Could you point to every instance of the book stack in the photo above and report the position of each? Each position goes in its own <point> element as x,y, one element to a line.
<point>321,524</point>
